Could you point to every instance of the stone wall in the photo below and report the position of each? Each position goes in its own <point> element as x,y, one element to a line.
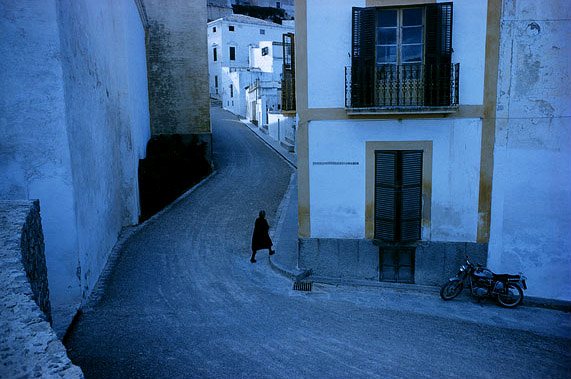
<point>178,67</point>
<point>180,152</point>
<point>358,259</point>
<point>29,346</point>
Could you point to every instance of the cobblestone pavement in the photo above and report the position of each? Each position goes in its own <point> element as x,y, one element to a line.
<point>183,301</point>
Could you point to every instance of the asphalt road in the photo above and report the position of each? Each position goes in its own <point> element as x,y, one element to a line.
<point>183,301</point>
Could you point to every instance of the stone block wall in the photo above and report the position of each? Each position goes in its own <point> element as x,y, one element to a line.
<point>358,259</point>
<point>178,66</point>
<point>29,346</point>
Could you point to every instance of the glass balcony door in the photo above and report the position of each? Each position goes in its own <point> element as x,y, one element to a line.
<point>400,57</point>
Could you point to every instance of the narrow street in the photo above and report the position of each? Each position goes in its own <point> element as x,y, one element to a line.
<point>184,301</point>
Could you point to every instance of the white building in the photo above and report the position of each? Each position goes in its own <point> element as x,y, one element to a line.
<point>404,162</point>
<point>230,40</point>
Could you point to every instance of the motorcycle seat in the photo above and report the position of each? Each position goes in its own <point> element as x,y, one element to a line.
<point>503,277</point>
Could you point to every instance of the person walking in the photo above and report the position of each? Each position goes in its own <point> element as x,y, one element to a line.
<point>261,237</point>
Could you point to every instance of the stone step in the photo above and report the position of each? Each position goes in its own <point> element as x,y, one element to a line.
<point>290,141</point>
<point>288,146</point>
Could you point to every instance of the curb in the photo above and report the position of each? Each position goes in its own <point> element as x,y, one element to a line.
<point>296,274</point>
<point>293,275</point>
<point>252,129</point>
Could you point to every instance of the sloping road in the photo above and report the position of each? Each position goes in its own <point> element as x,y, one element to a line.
<point>183,301</point>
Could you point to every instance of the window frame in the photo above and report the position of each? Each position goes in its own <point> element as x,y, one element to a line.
<point>370,82</point>
<point>426,147</point>
<point>232,53</point>
<point>399,34</point>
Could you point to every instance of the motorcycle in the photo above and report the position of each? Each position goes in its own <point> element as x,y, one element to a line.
<point>482,282</point>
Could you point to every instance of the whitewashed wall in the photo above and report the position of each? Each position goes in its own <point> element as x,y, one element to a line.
<point>337,192</point>
<point>243,37</point>
<point>35,161</point>
<point>329,41</point>
<point>74,121</point>
<point>531,198</point>
<point>271,63</point>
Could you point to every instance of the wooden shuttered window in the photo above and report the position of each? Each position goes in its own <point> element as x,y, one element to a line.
<point>363,57</point>
<point>438,56</point>
<point>398,195</point>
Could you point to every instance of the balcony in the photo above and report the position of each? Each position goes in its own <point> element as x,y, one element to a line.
<point>288,93</point>
<point>396,89</point>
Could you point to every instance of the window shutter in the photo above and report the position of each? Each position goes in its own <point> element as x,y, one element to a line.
<point>438,58</point>
<point>363,57</point>
<point>386,188</point>
<point>411,197</point>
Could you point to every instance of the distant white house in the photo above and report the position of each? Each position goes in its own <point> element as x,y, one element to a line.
<point>230,40</point>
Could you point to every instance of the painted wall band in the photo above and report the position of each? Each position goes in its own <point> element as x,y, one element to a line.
<point>302,137</point>
<point>489,121</point>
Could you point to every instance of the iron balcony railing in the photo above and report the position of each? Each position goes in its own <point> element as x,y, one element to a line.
<point>407,87</point>
<point>288,92</point>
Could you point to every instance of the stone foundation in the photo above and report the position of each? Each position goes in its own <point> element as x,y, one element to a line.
<point>358,259</point>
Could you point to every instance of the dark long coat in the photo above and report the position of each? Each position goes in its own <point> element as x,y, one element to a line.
<point>261,237</point>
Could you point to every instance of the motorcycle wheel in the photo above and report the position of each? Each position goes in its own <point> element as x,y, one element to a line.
<point>451,289</point>
<point>512,298</point>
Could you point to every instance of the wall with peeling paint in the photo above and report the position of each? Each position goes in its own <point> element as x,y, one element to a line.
<point>531,194</point>
<point>75,122</point>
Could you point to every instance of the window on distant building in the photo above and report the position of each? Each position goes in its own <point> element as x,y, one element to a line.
<point>265,50</point>
<point>231,90</point>
<point>262,31</point>
<point>402,56</point>
<point>232,53</point>
<point>231,28</point>
<point>214,29</point>
<point>278,4</point>
<point>398,195</point>
<point>216,81</point>
<point>214,54</point>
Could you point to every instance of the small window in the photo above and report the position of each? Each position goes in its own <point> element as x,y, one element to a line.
<point>216,81</point>
<point>265,50</point>
<point>232,92</point>
<point>231,28</point>
<point>232,53</point>
<point>214,29</point>
<point>214,54</point>
<point>262,31</point>
<point>278,4</point>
